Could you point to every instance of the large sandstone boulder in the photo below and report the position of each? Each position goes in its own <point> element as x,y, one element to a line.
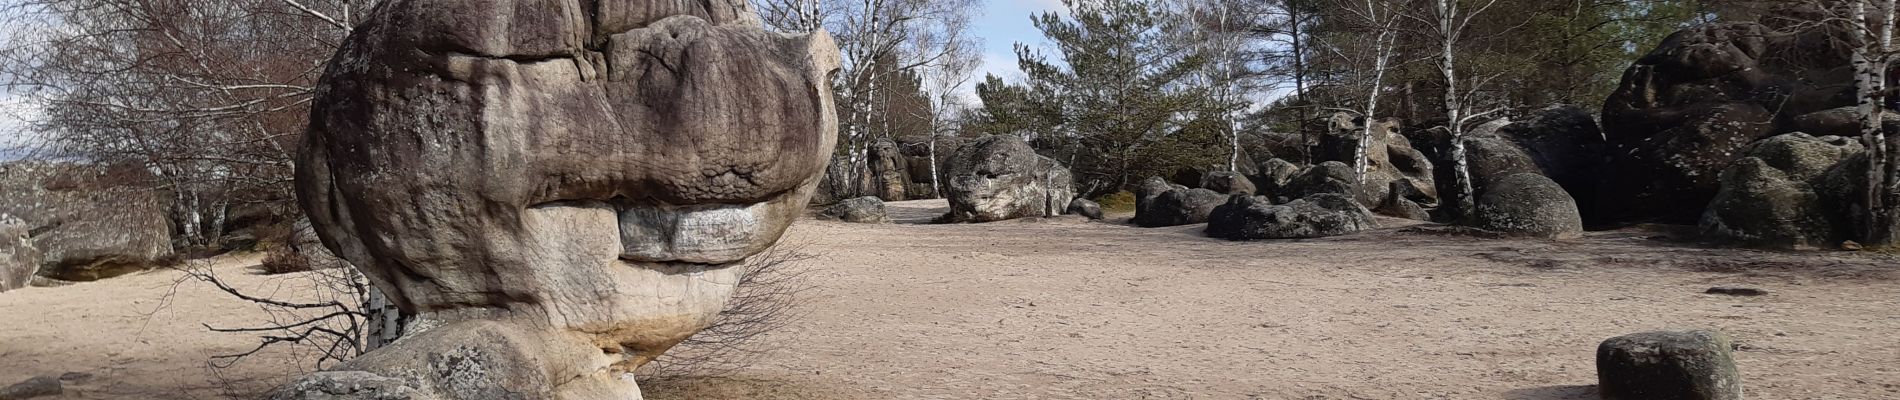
<point>1000,177</point>
<point>1693,365</point>
<point>1684,112</point>
<point>1390,157</point>
<point>558,191</point>
<point>85,222</point>
<point>1256,218</point>
<point>1771,197</point>
<point>1528,204</point>
<point>1179,207</point>
<point>18,259</point>
<point>889,171</point>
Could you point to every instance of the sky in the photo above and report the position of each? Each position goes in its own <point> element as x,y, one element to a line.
<point>999,25</point>
<point>1004,23</point>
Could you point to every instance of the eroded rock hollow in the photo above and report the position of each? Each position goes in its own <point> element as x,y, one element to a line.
<point>558,190</point>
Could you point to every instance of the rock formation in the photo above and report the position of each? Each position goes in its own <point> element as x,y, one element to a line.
<point>890,171</point>
<point>1779,194</point>
<point>863,210</point>
<point>1227,182</point>
<point>18,259</point>
<point>1255,218</point>
<point>1085,208</point>
<point>85,224</point>
<point>1332,177</point>
<point>1528,204</point>
<point>1390,157</point>
<point>1693,365</point>
<point>1178,207</point>
<point>558,191</point>
<point>1684,112</point>
<point>1000,177</point>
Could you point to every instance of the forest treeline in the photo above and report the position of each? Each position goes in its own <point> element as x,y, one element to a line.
<point>211,97</point>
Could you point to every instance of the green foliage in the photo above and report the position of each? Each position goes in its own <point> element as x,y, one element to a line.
<point>1118,202</point>
<point>1114,100</point>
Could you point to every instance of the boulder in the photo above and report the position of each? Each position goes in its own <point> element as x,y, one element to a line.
<point>89,222</point>
<point>1000,177</point>
<point>1273,176</point>
<point>1256,218</point>
<point>1528,204</point>
<point>1693,365</point>
<point>1227,182</point>
<point>1328,177</point>
<point>1840,121</point>
<point>1684,111</point>
<point>889,171</point>
<point>1769,198</point>
<point>864,210</point>
<point>18,259</point>
<point>563,191</point>
<point>1398,204</point>
<point>1150,189</point>
<point>1490,157</point>
<point>35,387</point>
<point>1086,208</point>
<point>1390,157</point>
<point>1179,207</point>
<point>1566,145</point>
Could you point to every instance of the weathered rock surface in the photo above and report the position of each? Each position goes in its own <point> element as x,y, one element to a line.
<point>1769,198</point>
<point>1179,207</point>
<point>1332,177</point>
<point>1565,144</point>
<point>1150,189</point>
<point>1000,177</point>
<point>1227,182</point>
<point>86,225</point>
<point>1255,218</point>
<point>562,189</point>
<point>18,259</point>
<point>1390,157</point>
<point>1839,121</point>
<point>1684,112</point>
<point>1273,175</point>
<point>864,210</point>
<point>39,386</point>
<point>1398,204</point>
<point>1528,204</point>
<point>890,171</point>
<point>1694,365</point>
<point>1086,208</point>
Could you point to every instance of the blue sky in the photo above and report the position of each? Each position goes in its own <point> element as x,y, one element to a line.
<point>1002,24</point>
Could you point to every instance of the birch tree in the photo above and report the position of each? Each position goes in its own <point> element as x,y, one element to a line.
<point>210,96</point>
<point>1873,21</point>
<point>1448,21</point>
<point>879,40</point>
<point>1378,22</point>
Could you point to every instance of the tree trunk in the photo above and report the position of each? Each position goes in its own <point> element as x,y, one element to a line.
<point>1454,108</point>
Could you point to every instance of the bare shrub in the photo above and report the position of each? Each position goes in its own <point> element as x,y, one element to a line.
<point>314,319</point>
<point>768,299</point>
<point>278,261</point>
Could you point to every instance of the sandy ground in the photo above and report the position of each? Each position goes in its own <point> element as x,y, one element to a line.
<point>1065,308</point>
